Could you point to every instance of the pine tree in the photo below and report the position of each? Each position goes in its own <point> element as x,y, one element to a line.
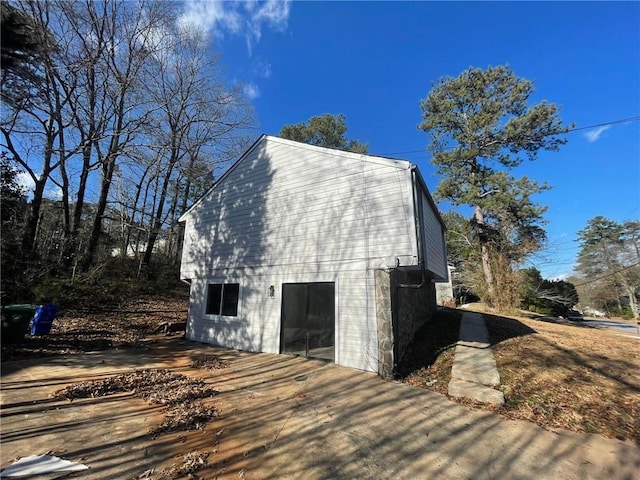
<point>481,127</point>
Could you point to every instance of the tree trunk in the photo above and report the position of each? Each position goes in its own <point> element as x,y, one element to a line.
<point>157,222</point>
<point>633,304</point>
<point>96,230</point>
<point>29,241</point>
<point>486,256</point>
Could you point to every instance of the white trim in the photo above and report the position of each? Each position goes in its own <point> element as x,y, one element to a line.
<point>413,215</point>
<point>224,175</point>
<point>388,162</point>
<point>212,317</point>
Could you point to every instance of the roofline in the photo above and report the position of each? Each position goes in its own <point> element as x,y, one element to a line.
<point>394,162</point>
<point>224,175</point>
<point>400,164</point>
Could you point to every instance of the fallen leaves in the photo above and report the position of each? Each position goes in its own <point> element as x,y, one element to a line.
<point>567,376</point>
<point>429,359</point>
<point>124,326</point>
<point>210,362</point>
<point>182,395</point>
<point>186,465</point>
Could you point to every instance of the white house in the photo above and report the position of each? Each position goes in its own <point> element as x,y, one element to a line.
<point>299,249</point>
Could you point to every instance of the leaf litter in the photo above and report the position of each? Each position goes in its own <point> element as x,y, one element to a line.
<point>186,466</point>
<point>210,362</point>
<point>556,375</point>
<point>183,396</point>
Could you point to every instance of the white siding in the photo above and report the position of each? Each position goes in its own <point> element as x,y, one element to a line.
<point>433,240</point>
<point>288,212</point>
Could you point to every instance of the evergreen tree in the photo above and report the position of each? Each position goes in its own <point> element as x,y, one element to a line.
<point>609,257</point>
<point>13,205</point>
<point>324,131</point>
<point>481,127</point>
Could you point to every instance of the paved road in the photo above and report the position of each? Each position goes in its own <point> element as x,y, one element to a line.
<point>629,328</point>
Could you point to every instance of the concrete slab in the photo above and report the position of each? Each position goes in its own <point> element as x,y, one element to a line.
<point>288,418</point>
<point>475,391</point>
<point>473,364</point>
<point>473,331</point>
<point>474,369</point>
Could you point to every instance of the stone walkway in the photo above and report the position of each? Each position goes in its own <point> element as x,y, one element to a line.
<point>474,374</point>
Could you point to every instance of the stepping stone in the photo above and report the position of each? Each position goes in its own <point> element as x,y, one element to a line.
<point>475,391</point>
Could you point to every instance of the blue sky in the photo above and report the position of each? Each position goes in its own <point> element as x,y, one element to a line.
<point>374,61</point>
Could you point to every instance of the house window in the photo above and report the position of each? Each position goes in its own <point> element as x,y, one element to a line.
<point>222,298</point>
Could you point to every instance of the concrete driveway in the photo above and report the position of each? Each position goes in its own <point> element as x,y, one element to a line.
<point>285,417</point>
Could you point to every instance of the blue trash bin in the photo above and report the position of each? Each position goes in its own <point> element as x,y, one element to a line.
<point>43,319</point>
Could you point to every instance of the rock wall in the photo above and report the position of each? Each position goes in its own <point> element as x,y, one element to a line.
<point>402,308</point>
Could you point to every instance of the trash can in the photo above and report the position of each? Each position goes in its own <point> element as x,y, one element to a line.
<point>43,319</point>
<point>15,322</point>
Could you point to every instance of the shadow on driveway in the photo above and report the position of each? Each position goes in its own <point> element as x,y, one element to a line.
<point>286,417</point>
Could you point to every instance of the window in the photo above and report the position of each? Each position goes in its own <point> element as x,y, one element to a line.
<point>230,299</point>
<point>223,298</point>
<point>214,297</point>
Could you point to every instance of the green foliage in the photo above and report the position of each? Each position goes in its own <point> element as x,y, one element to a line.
<point>13,194</point>
<point>483,115</point>
<point>608,266</point>
<point>23,45</point>
<point>549,297</point>
<point>325,131</point>
<point>481,126</point>
<point>13,206</point>
<point>19,42</point>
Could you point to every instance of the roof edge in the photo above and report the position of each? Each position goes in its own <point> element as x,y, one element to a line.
<point>394,162</point>
<point>224,175</point>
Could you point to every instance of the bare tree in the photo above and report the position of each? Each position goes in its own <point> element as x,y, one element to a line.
<point>123,95</point>
<point>196,116</point>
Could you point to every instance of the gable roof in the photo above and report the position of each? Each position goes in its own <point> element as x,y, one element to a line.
<point>375,159</point>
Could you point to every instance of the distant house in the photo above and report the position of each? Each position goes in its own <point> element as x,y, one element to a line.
<point>304,250</point>
<point>444,290</point>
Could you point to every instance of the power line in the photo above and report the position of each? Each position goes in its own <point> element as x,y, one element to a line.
<point>624,120</point>
<point>575,129</point>
<point>607,275</point>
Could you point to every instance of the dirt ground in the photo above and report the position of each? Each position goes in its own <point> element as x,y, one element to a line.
<point>280,417</point>
<point>93,328</point>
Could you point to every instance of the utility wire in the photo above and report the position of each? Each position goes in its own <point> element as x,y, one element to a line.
<point>613,122</point>
<point>607,275</point>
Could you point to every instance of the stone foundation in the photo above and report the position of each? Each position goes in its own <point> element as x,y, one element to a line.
<point>401,309</point>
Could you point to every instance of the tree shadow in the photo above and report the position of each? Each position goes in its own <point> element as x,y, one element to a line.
<point>286,417</point>
<point>503,328</point>
<point>435,337</point>
<point>266,224</point>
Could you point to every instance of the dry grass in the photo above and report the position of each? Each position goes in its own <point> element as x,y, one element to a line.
<point>557,374</point>
<point>568,376</point>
